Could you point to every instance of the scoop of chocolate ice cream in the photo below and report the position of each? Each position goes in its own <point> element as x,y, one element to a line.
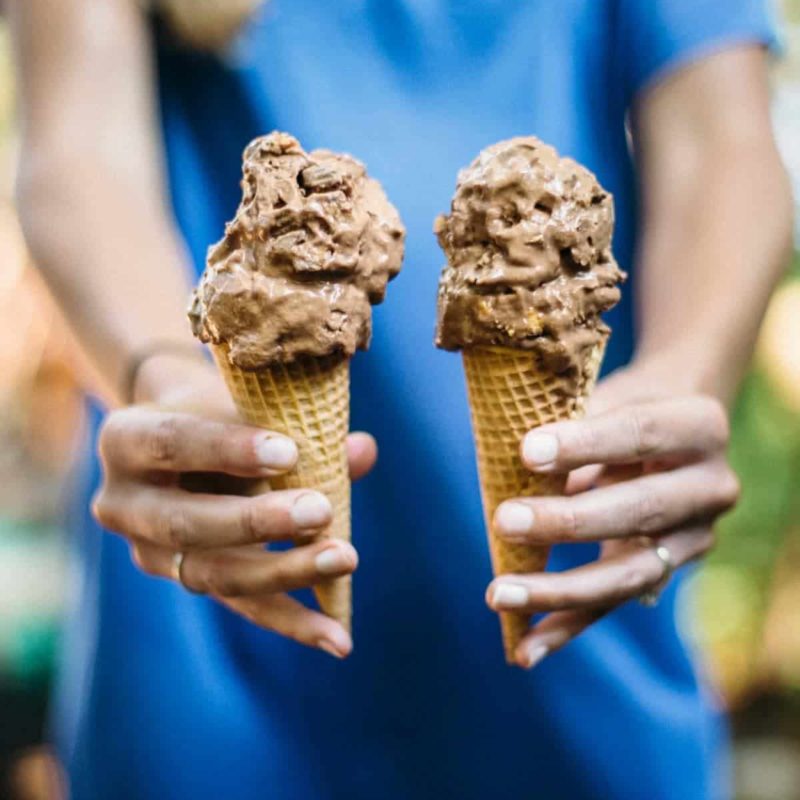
<point>528,245</point>
<point>313,245</point>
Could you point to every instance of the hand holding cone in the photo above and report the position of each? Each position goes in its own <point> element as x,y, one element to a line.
<point>530,269</point>
<point>286,300</point>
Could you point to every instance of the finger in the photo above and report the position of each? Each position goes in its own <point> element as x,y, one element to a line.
<point>583,479</point>
<point>235,572</point>
<point>183,520</point>
<point>607,582</point>
<point>362,452</point>
<point>287,617</point>
<point>640,507</point>
<point>685,426</point>
<point>140,439</point>
<point>553,632</point>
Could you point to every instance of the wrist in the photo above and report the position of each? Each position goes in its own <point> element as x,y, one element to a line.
<point>162,369</point>
<point>681,370</point>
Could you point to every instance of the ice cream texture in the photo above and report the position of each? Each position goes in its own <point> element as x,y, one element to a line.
<point>313,244</point>
<point>530,270</point>
<point>528,244</point>
<point>286,299</point>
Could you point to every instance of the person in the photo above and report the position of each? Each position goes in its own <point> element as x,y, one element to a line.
<point>129,167</point>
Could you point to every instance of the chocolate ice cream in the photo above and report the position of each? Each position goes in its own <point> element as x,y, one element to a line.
<point>313,245</point>
<point>528,244</point>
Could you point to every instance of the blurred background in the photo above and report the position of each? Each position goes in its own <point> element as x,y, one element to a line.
<point>742,608</point>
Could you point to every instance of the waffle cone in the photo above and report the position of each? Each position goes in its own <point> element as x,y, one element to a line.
<point>509,394</point>
<point>309,401</point>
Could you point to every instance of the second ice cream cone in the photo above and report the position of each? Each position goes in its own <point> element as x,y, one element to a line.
<point>309,401</point>
<point>529,273</point>
<point>509,394</point>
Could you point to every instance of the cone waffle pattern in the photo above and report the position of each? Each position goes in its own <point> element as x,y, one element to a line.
<point>308,401</point>
<point>509,395</point>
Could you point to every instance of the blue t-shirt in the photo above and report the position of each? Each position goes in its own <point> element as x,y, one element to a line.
<point>166,695</point>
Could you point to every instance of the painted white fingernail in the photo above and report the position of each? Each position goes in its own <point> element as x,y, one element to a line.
<point>536,654</point>
<point>331,561</point>
<point>509,595</point>
<point>311,510</point>
<point>514,519</point>
<point>540,449</point>
<point>276,452</point>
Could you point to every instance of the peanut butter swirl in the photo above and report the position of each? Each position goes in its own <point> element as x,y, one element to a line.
<point>528,245</point>
<point>313,244</point>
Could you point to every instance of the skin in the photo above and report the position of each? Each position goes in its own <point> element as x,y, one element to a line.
<point>91,172</point>
<point>648,460</point>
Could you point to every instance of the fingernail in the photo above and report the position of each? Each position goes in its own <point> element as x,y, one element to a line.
<point>276,452</point>
<point>539,449</point>
<point>330,648</point>
<point>535,655</point>
<point>509,595</point>
<point>331,561</point>
<point>513,518</point>
<point>311,510</point>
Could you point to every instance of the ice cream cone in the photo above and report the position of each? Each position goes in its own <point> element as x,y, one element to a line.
<point>286,300</point>
<point>309,401</point>
<point>509,394</point>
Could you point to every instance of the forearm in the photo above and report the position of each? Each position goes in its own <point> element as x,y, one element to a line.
<point>112,261</point>
<point>716,233</point>
<point>91,193</point>
<point>706,278</point>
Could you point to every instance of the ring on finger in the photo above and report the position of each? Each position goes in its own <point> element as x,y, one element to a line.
<point>650,598</point>
<point>178,561</point>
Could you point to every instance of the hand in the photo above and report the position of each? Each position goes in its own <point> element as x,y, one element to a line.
<point>649,467</point>
<point>175,475</point>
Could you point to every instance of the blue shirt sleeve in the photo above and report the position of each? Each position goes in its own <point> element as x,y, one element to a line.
<point>657,37</point>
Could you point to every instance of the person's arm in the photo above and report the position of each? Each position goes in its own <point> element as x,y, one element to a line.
<point>717,224</point>
<point>716,235</point>
<point>90,191</point>
<point>92,199</point>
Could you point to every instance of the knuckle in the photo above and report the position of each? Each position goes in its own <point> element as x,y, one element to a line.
<point>175,529</point>
<point>644,431</point>
<point>557,598</point>
<point>707,542</point>
<point>138,558</point>
<point>221,581</point>
<point>730,489</point>
<point>648,513</point>
<point>573,522</point>
<point>284,573</point>
<point>141,561</point>
<point>635,579</point>
<point>163,442</point>
<point>717,424</point>
<point>250,522</point>
<point>106,511</point>
<point>109,434</point>
<point>697,543</point>
<point>99,506</point>
<point>584,442</point>
<point>219,446</point>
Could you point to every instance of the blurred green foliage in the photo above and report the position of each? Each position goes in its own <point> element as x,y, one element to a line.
<point>735,586</point>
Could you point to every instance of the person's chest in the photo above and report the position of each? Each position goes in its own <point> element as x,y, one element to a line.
<point>401,79</point>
